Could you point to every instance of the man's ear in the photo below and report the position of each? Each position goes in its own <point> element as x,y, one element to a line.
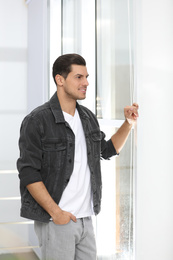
<point>59,80</point>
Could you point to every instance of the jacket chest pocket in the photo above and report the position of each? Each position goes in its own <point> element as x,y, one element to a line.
<point>54,154</point>
<point>95,138</point>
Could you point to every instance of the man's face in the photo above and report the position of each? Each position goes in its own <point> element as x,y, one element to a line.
<point>75,85</point>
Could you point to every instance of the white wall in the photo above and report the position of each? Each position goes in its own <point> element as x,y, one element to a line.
<point>23,71</point>
<point>13,77</point>
<point>13,107</point>
<point>38,42</point>
<point>154,75</point>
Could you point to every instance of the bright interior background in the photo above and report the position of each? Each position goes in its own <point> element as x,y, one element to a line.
<point>13,107</point>
<point>153,75</point>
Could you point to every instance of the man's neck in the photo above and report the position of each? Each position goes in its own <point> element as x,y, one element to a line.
<point>67,105</point>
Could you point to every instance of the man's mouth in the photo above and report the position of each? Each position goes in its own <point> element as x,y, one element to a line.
<point>83,90</point>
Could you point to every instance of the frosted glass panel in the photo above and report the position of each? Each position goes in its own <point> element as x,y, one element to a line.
<point>115,222</point>
<point>114,60</point>
<point>78,32</point>
<point>72,29</point>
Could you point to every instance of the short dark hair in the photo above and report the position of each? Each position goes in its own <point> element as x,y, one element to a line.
<point>62,64</point>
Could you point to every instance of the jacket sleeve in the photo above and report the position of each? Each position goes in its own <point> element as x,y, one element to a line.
<point>107,148</point>
<point>29,162</point>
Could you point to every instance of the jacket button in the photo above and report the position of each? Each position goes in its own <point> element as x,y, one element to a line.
<point>69,160</point>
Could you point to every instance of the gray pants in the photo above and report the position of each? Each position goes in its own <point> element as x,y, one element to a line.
<point>73,241</point>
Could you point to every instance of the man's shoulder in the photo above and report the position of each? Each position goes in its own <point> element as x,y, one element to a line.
<point>38,112</point>
<point>40,109</point>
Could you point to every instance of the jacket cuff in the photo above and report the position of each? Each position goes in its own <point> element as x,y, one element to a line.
<point>29,176</point>
<point>112,149</point>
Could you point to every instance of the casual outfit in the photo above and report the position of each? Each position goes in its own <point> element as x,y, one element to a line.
<point>63,152</point>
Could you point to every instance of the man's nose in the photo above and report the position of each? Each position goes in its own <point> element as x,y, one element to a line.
<point>86,83</point>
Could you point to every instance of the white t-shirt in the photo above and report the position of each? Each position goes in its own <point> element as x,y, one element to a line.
<point>77,197</point>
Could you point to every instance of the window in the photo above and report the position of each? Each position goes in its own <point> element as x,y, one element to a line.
<point>101,31</point>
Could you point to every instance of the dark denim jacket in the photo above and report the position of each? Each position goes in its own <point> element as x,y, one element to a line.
<point>47,154</point>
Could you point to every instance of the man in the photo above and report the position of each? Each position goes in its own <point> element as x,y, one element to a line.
<point>59,165</point>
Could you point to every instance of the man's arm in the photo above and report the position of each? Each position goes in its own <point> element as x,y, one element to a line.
<point>120,137</point>
<point>43,198</point>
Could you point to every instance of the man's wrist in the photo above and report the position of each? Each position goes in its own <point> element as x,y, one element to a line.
<point>55,210</point>
<point>129,122</point>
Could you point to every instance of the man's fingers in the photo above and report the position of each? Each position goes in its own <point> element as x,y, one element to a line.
<point>135,105</point>
<point>131,112</point>
<point>73,217</point>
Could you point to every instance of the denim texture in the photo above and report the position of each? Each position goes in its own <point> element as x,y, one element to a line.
<point>72,241</point>
<point>47,146</point>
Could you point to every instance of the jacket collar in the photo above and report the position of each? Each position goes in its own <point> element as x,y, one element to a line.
<point>82,111</point>
<point>57,111</point>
